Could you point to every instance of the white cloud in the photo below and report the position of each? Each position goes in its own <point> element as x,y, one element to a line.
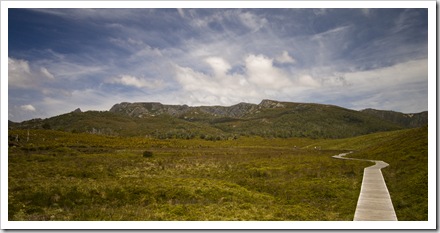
<point>252,21</point>
<point>219,65</point>
<point>18,73</point>
<point>259,80</point>
<point>308,81</point>
<point>147,51</point>
<point>133,81</point>
<point>22,75</point>
<point>382,88</point>
<point>262,73</point>
<point>387,77</point>
<point>401,87</point>
<point>18,65</point>
<point>203,89</point>
<point>219,88</point>
<point>285,58</point>
<point>28,107</point>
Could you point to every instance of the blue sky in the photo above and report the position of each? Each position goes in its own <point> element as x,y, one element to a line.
<point>63,59</point>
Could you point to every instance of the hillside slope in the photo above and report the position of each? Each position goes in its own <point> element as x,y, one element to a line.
<point>407,120</point>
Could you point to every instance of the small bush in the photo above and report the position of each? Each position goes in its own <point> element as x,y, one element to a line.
<point>147,154</point>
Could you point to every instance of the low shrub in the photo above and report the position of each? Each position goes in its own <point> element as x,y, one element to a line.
<point>147,154</point>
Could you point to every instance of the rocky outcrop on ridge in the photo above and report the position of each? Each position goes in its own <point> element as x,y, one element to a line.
<point>145,109</point>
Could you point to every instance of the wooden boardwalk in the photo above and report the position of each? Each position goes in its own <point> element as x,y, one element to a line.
<point>374,203</point>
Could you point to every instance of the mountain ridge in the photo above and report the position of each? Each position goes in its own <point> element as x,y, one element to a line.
<point>269,118</point>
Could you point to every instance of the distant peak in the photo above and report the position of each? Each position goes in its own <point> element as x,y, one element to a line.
<point>77,110</point>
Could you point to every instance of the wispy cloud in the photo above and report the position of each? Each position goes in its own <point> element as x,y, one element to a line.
<point>46,73</point>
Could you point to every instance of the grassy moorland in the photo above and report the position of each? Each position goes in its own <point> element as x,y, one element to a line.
<point>74,176</point>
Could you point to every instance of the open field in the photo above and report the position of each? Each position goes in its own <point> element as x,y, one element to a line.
<point>68,176</point>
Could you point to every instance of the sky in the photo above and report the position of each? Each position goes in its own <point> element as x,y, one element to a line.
<point>63,59</point>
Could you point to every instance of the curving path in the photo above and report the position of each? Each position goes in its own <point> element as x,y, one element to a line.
<point>374,203</point>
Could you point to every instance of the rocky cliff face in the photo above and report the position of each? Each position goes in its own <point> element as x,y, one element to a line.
<point>271,104</point>
<point>149,109</point>
<point>234,111</point>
